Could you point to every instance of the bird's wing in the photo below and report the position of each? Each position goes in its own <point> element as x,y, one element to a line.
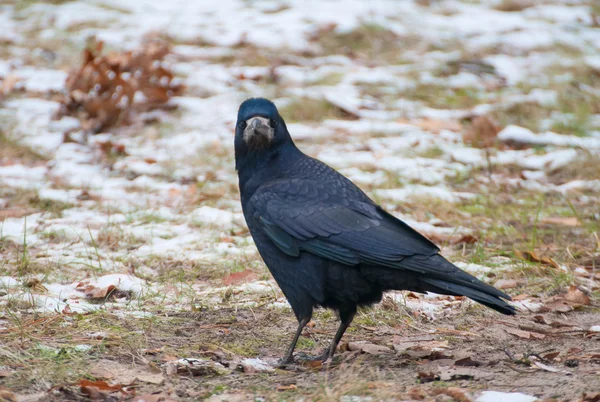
<point>328,221</point>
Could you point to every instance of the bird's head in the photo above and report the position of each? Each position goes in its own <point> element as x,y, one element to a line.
<point>259,128</point>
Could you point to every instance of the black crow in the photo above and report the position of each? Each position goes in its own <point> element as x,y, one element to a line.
<point>324,240</point>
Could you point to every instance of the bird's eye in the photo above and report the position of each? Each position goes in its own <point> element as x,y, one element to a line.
<point>242,125</point>
<point>273,122</point>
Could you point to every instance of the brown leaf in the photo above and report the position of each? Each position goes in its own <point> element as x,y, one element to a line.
<point>559,306</point>
<point>466,239</point>
<point>94,292</point>
<point>289,387</point>
<point>533,257</point>
<point>373,349</point>
<point>315,364</point>
<point>518,332</point>
<point>575,295</point>
<point>551,355</point>
<point>457,394</point>
<point>101,385</point>
<point>562,220</point>
<point>4,373</point>
<point>238,278</point>
<point>522,296</point>
<point>590,397</point>
<point>9,83</point>
<point>482,132</point>
<point>427,376</point>
<point>506,284</point>
<point>468,362</point>
<point>8,396</point>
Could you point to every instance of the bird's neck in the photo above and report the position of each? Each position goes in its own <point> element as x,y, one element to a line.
<point>258,168</point>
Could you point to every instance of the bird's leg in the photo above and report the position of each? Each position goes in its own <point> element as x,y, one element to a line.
<point>288,358</point>
<point>346,319</point>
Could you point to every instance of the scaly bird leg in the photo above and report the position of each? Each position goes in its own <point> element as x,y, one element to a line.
<point>288,358</point>
<point>327,354</point>
<point>346,321</point>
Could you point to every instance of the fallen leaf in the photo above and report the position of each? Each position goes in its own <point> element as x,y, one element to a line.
<point>520,297</point>
<point>290,387</point>
<point>560,306</point>
<point>7,396</point>
<point>315,364</point>
<point>466,239</point>
<point>533,257</point>
<point>590,397</point>
<point>9,83</point>
<point>518,332</point>
<point>101,385</point>
<point>468,362</point>
<point>427,376</point>
<point>374,349</point>
<point>457,394</point>
<point>238,278</point>
<point>562,220</point>
<point>575,295</point>
<point>482,132</point>
<point>506,284</point>
<point>551,355</point>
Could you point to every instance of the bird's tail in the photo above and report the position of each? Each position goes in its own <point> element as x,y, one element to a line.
<point>443,277</point>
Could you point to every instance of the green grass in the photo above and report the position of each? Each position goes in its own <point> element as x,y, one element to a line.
<point>368,41</point>
<point>311,110</point>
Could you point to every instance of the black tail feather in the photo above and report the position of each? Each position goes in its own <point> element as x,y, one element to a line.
<point>453,289</point>
<point>451,280</point>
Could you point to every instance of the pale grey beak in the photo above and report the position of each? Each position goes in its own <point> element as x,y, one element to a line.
<point>258,131</point>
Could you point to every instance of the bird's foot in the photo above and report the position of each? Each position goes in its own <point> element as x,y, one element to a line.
<point>286,362</point>
<point>323,357</point>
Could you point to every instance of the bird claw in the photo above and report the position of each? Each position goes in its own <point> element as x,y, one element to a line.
<point>286,362</point>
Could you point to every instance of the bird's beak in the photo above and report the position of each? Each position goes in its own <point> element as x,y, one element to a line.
<point>258,132</point>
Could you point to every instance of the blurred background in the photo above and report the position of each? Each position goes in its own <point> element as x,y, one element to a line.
<point>477,122</point>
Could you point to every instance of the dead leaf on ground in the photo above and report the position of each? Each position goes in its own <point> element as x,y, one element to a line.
<point>289,387</point>
<point>575,295</point>
<point>482,132</point>
<point>533,257</point>
<point>457,394</point>
<point>524,334</point>
<point>562,220</point>
<point>94,292</point>
<point>100,390</point>
<point>8,396</point>
<point>238,278</point>
<point>468,362</point>
<point>427,376</point>
<point>590,397</point>
<point>506,284</point>
<point>101,92</point>
<point>366,347</point>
